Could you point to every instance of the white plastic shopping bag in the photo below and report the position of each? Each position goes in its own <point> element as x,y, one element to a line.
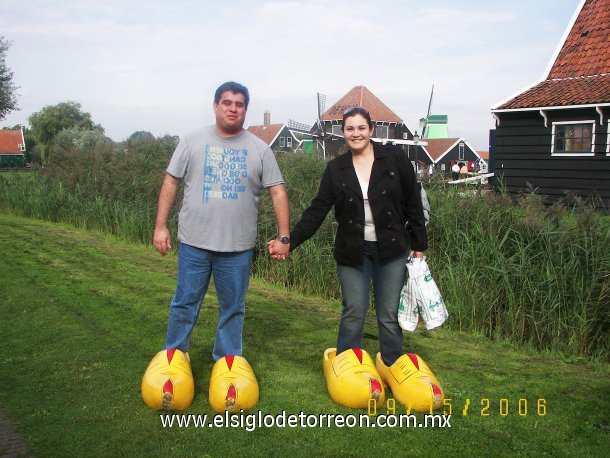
<point>420,297</point>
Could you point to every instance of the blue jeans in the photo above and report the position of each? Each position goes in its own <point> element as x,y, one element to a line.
<point>231,277</point>
<point>388,277</point>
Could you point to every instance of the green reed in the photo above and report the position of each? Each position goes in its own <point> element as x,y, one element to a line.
<point>509,269</point>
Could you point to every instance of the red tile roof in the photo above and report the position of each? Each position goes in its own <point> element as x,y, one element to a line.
<point>580,74</point>
<point>484,155</point>
<point>10,141</point>
<point>586,50</point>
<point>562,92</point>
<point>439,146</point>
<point>266,133</point>
<point>361,96</point>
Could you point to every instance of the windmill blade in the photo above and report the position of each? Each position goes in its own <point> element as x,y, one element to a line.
<point>430,102</point>
<point>321,104</point>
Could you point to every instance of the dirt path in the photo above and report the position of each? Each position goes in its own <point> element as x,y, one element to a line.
<point>12,443</point>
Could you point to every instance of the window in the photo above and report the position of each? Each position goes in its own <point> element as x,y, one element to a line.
<point>282,142</point>
<point>571,138</point>
<point>381,131</point>
<point>337,130</point>
<point>442,167</point>
<point>289,142</point>
<point>461,151</point>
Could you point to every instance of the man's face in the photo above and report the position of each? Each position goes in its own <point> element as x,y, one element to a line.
<point>230,113</point>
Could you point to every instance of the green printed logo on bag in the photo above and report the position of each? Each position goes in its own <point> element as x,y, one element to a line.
<point>427,278</point>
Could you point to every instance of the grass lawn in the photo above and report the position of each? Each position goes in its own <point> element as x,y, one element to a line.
<point>82,314</point>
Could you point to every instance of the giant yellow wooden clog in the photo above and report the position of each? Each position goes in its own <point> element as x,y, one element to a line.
<point>168,381</point>
<point>412,383</point>
<point>233,385</point>
<point>352,379</point>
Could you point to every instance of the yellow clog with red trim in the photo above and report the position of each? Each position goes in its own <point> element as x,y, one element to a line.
<point>352,379</point>
<point>168,381</point>
<point>233,385</point>
<point>412,383</point>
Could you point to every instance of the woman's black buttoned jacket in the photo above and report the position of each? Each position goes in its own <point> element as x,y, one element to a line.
<point>394,199</point>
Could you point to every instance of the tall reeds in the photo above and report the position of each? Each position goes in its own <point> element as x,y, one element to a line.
<point>509,269</point>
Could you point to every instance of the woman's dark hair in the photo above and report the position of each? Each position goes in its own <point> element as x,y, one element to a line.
<point>232,86</point>
<point>353,111</point>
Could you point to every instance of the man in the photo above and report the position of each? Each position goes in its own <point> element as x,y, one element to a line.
<point>224,169</point>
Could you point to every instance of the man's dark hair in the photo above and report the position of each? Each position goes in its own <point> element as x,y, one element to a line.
<point>232,86</point>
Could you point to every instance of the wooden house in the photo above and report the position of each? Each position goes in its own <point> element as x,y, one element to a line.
<point>279,137</point>
<point>12,148</point>
<point>553,137</point>
<point>387,124</point>
<point>447,151</point>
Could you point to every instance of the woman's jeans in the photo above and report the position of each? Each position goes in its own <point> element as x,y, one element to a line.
<point>231,277</point>
<point>388,278</point>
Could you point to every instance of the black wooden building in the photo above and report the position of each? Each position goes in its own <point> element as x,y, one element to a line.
<point>553,137</point>
<point>387,124</point>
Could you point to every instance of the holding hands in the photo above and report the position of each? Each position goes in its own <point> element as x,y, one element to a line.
<point>278,249</point>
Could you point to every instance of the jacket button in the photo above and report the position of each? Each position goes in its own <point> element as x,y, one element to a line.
<point>350,221</point>
<point>383,192</point>
<point>389,213</point>
<point>350,199</point>
<point>390,227</point>
<point>391,174</point>
<point>393,239</point>
<point>343,184</point>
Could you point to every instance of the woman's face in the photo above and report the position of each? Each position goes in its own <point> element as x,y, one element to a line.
<point>357,132</point>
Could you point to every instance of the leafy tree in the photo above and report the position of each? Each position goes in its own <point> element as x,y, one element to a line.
<point>141,135</point>
<point>52,119</point>
<point>8,96</point>
<point>81,140</point>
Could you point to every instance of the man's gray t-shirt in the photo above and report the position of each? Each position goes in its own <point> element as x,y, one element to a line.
<point>223,178</point>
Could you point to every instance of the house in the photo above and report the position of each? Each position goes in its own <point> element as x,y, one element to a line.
<point>278,136</point>
<point>12,148</point>
<point>387,124</point>
<point>484,162</point>
<point>447,151</point>
<point>553,136</point>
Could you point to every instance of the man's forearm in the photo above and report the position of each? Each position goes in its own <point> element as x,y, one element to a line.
<point>281,208</point>
<point>167,196</point>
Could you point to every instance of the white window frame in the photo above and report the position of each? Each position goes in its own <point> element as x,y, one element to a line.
<point>461,151</point>
<point>282,142</point>
<point>574,154</point>
<point>337,130</point>
<point>288,142</point>
<point>608,139</point>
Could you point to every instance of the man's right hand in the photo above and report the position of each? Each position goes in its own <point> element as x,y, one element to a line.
<point>162,240</point>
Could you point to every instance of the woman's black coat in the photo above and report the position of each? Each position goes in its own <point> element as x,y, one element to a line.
<point>394,199</point>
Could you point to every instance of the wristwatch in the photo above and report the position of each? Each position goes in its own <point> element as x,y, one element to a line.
<point>284,239</point>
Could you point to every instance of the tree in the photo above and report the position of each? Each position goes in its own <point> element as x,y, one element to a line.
<point>52,119</point>
<point>8,96</point>
<point>141,135</point>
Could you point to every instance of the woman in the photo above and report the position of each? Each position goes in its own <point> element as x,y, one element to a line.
<point>378,208</point>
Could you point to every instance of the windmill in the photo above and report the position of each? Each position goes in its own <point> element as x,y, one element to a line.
<point>300,126</point>
<point>423,122</point>
<point>321,107</point>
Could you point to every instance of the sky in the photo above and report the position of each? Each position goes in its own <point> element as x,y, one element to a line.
<point>154,65</point>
